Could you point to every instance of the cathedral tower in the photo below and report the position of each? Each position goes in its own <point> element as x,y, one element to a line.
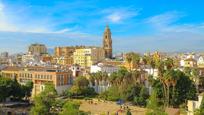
<point>107,42</point>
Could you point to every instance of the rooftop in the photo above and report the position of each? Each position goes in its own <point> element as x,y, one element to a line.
<point>33,68</point>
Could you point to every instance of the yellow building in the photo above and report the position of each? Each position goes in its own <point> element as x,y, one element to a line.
<point>113,63</point>
<point>63,60</point>
<point>38,49</point>
<point>88,56</point>
<point>190,62</point>
<point>156,56</point>
<point>64,55</point>
<point>39,76</point>
<point>130,65</point>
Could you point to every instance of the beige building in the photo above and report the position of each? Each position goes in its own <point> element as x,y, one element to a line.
<point>64,55</point>
<point>189,62</point>
<point>88,56</point>
<point>39,76</point>
<point>63,60</point>
<point>200,61</point>
<point>37,49</point>
<point>28,58</point>
<point>194,105</point>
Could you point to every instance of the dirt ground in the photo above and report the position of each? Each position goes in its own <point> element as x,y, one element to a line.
<point>103,108</point>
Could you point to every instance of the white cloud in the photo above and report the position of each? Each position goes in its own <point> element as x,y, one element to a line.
<point>7,22</point>
<point>167,22</point>
<point>118,15</point>
<point>164,19</point>
<point>5,25</point>
<point>64,30</point>
<point>115,17</point>
<point>11,22</point>
<point>1,6</point>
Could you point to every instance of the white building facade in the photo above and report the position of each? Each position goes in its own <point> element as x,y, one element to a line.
<point>100,67</point>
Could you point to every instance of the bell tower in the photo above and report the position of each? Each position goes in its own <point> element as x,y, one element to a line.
<point>107,42</point>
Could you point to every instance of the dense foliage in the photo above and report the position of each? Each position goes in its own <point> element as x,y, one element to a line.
<point>72,108</point>
<point>11,88</point>
<point>153,107</point>
<point>183,90</point>
<point>173,87</point>
<point>44,101</point>
<point>126,85</point>
<point>81,88</point>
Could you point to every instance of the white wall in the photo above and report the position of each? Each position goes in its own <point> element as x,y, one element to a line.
<point>153,72</point>
<point>103,68</point>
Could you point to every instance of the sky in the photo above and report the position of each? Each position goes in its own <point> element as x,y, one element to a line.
<point>136,25</point>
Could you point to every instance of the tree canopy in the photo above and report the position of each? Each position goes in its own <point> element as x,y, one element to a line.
<point>44,101</point>
<point>11,88</point>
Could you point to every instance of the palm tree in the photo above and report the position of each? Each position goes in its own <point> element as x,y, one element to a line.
<point>145,60</point>
<point>136,59</point>
<point>163,80</point>
<point>129,59</point>
<point>151,62</point>
<point>135,76</point>
<point>169,63</point>
<point>167,80</point>
<point>171,77</point>
<point>132,58</point>
<point>112,78</point>
<point>174,79</point>
<point>92,79</point>
<point>195,78</point>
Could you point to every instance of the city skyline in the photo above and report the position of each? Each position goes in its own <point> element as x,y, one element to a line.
<point>142,26</point>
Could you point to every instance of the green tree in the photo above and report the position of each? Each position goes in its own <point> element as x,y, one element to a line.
<point>184,90</point>
<point>141,99</point>
<point>169,63</point>
<point>153,106</point>
<point>44,101</point>
<point>181,88</point>
<point>81,88</point>
<point>125,85</point>
<point>27,89</point>
<point>132,58</point>
<point>5,88</point>
<point>112,94</point>
<point>129,59</point>
<point>11,88</point>
<point>170,78</point>
<point>195,78</point>
<point>71,108</point>
<point>17,91</point>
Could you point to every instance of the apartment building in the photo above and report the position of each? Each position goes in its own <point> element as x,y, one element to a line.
<point>88,56</point>
<point>61,79</point>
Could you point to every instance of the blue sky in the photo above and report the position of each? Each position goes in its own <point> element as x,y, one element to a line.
<point>136,25</point>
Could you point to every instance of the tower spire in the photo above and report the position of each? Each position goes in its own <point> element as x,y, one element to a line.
<point>107,42</point>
